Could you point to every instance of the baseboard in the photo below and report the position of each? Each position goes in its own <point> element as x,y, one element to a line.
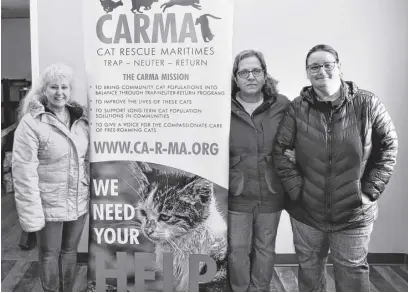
<point>286,259</point>
<point>290,258</point>
<point>388,258</point>
<point>373,259</point>
<point>82,257</point>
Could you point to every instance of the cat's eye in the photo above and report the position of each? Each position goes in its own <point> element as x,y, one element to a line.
<point>164,217</point>
<point>143,213</point>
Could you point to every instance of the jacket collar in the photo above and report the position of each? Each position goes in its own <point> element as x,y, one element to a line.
<point>77,111</point>
<point>348,90</point>
<point>268,101</point>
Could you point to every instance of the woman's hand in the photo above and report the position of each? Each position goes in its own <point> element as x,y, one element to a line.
<point>291,155</point>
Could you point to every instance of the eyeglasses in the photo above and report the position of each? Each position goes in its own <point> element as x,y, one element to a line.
<point>257,72</point>
<point>328,66</point>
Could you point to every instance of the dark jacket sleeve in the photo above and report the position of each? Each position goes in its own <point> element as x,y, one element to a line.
<point>381,163</point>
<point>287,171</point>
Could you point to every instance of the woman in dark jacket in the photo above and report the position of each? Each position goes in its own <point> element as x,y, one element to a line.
<point>255,193</point>
<point>346,148</point>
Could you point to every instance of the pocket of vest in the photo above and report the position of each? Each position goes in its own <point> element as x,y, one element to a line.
<point>236,177</point>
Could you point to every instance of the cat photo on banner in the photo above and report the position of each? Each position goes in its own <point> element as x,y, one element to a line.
<point>173,213</point>
<point>158,207</point>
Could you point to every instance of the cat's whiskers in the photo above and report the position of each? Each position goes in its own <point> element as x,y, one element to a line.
<point>174,245</point>
<point>137,224</point>
<point>133,189</point>
<point>134,224</point>
<point>168,241</point>
<point>137,179</point>
<point>182,246</point>
<point>186,249</point>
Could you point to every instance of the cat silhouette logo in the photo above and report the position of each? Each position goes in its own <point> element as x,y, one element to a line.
<point>193,3</point>
<point>109,5</point>
<point>206,33</point>
<point>137,4</point>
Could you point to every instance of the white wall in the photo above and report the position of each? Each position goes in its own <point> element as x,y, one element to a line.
<point>15,48</point>
<point>371,37</point>
<point>60,38</point>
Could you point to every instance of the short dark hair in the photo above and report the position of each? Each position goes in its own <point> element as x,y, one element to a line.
<point>325,48</point>
<point>270,86</point>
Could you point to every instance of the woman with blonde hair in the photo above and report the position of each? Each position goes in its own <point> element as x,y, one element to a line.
<point>50,173</point>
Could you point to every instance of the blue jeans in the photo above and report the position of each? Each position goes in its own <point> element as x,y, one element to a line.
<point>251,243</point>
<point>58,244</point>
<point>348,249</point>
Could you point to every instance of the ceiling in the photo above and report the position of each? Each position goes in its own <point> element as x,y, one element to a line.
<point>15,8</point>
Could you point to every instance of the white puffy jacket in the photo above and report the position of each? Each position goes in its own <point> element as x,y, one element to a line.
<point>50,167</point>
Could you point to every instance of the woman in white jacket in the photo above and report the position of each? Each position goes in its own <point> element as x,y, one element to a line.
<point>50,173</point>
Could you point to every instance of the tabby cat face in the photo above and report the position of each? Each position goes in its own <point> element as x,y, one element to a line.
<point>173,206</point>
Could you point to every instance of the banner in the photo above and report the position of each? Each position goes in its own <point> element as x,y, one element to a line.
<point>159,76</point>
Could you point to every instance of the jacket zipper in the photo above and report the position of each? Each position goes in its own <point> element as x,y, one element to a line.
<point>329,171</point>
<point>259,178</point>
<point>69,160</point>
<point>256,130</point>
<point>69,153</point>
<point>69,167</point>
<point>76,201</point>
<point>259,175</point>
<point>69,164</point>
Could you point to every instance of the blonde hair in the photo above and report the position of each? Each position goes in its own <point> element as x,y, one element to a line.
<point>37,91</point>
